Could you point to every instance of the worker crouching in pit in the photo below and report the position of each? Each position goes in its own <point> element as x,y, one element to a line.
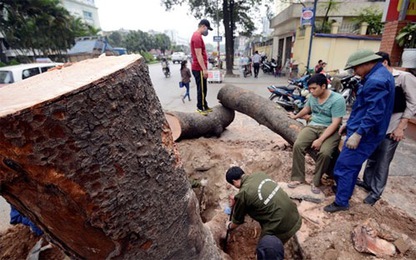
<point>264,201</point>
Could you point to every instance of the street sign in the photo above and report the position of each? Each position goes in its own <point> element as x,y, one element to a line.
<point>217,38</point>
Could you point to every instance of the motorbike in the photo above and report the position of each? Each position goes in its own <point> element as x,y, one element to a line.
<point>247,70</point>
<point>166,71</point>
<point>290,97</point>
<point>165,68</point>
<point>302,82</point>
<point>269,66</point>
<point>349,88</point>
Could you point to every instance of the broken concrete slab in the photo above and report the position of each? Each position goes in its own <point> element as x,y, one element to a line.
<point>401,245</point>
<point>365,240</point>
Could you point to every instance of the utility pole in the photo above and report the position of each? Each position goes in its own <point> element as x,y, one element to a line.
<point>312,32</point>
<point>218,35</point>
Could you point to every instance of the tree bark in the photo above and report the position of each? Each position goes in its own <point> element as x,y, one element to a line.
<point>264,111</point>
<point>87,154</point>
<point>194,125</point>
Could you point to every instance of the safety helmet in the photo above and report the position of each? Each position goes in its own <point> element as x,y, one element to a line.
<point>360,57</point>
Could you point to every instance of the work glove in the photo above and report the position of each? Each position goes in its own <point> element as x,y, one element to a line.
<point>353,141</point>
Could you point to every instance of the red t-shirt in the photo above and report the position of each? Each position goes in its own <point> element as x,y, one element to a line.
<point>198,43</point>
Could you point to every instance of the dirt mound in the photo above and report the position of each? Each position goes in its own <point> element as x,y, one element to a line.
<point>17,242</point>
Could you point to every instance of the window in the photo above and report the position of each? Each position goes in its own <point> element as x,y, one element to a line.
<point>87,15</point>
<point>30,72</point>
<point>6,77</point>
<point>45,69</point>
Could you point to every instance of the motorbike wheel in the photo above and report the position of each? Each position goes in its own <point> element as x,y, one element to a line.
<point>283,102</point>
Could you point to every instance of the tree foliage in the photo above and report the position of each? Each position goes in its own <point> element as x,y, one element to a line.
<point>42,26</point>
<point>373,18</point>
<point>139,41</point>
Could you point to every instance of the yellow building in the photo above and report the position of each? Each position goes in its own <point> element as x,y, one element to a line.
<point>291,41</point>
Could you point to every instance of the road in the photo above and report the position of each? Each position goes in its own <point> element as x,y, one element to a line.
<point>169,92</point>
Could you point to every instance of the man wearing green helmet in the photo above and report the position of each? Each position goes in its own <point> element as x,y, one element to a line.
<point>367,124</point>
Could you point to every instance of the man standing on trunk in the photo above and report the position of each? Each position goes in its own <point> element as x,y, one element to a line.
<point>200,65</point>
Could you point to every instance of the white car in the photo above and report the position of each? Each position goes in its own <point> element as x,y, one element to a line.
<point>12,74</point>
<point>178,57</point>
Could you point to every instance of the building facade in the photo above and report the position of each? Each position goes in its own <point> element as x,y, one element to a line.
<point>84,9</point>
<point>286,26</point>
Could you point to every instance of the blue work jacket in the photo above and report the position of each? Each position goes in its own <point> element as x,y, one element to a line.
<point>373,107</point>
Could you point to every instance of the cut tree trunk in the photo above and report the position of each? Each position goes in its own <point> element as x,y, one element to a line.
<point>87,154</point>
<point>193,125</point>
<point>263,110</point>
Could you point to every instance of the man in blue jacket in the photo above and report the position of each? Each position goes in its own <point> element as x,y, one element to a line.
<point>367,124</point>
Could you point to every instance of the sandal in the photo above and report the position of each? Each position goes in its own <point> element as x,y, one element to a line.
<point>315,190</point>
<point>293,184</point>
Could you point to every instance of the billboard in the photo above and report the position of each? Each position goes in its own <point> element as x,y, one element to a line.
<point>307,16</point>
<point>393,10</point>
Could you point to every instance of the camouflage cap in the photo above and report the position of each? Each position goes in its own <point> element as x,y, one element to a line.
<point>360,57</point>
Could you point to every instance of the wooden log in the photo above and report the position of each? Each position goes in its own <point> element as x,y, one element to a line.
<point>194,125</point>
<point>262,110</point>
<point>87,154</point>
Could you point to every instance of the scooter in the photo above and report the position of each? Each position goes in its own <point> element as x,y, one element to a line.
<point>349,88</point>
<point>267,67</point>
<point>290,97</point>
<point>166,71</point>
<point>247,70</point>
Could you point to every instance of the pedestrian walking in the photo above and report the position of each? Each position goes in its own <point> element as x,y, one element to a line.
<point>186,79</point>
<point>200,65</point>
<point>377,168</point>
<point>256,63</point>
<point>367,124</point>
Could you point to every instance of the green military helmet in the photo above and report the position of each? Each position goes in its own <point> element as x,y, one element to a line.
<point>360,57</point>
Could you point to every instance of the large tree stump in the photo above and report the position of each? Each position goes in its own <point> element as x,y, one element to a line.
<point>193,125</point>
<point>87,154</point>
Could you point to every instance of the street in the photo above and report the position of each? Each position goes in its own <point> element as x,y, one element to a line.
<point>169,92</point>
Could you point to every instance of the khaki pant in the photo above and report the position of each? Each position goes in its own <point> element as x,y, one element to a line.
<point>304,141</point>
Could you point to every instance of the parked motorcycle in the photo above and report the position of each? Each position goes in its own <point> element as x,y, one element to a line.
<point>290,97</point>
<point>269,67</point>
<point>349,88</point>
<point>247,70</point>
<point>302,82</point>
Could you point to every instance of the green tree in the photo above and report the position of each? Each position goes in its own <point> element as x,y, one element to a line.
<point>42,26</point>
<point>373,18</point>
<point>331,5</point>
<point>115,39</point>
<point>162,42</point>
<point>233,14</point>
<point>137,41</point>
